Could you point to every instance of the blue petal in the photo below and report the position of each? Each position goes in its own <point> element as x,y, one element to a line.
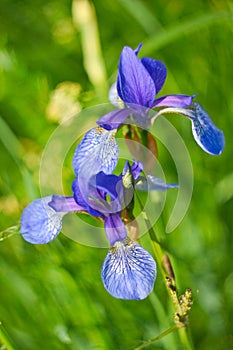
<point>128,271</point>
<point>136,51</point>
<point>179,101</point>
<point>65,204</point>
<point>114,228</point>
<point>39,222</point>
<point>152,183</point>
<point>134,83</point>
<point>98,151</point>
<point>206,134</point>
<point>157,71</point>
<point>114,119</point>
<point>78,196</point>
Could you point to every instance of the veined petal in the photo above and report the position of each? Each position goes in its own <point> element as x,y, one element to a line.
<point>179,101</point>
<point>134,83</point>
<point>152,183</point>
<point>128,271</point>
<point>39,222</point>
<point>114,228</point>
<point>98,151</point>
<point>114,119</point>
<point>207,135</point>
<point>157,71</point>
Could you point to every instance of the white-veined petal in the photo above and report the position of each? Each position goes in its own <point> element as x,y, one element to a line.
<point>128,271</point>
<point>39,222</point>
<point>98,151</point>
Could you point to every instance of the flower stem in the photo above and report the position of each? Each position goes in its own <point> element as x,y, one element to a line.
<point>180,316</point>
<point>4,340</point>
<point>8,232</point>
<point>160,336</point>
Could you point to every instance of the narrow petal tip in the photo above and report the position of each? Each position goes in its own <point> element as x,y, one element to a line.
<point>152,183</point>
<point>40,223</point>
<point>128,271</point>
<point>207,135</point>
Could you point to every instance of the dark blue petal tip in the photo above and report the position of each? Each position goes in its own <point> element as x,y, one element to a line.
<point>207,135</point>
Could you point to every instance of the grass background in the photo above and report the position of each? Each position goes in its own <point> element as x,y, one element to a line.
<point>51,296</point>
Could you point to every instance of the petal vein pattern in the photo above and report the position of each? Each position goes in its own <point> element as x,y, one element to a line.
<point>128,271</point>
<point>40,223</point>
<point>98,151</point>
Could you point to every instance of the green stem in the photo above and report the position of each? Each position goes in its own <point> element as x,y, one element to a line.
<point>159,257</point>
<point>4,340</point>
<point>160,336</point>
<point>8,232</point>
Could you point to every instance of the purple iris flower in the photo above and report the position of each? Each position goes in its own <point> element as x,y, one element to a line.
<point>128,271</point>
<point>138,83</point>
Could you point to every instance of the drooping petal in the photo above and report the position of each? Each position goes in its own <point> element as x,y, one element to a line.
<point>179,101</point>
<point>128,271</point>
<point>152,183</point>
<point>98,151</point>
<point>114,228</point>
<point>114,119</point>
<point>157,71</point>
<point>39,222</point>
<point>134,83</point>
<point>65,204</point>
<point>206,134</point>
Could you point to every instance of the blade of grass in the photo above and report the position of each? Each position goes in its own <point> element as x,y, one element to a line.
<point>15,149</point>
<point>84,18</point>
<point>5,343</point>
<point>142,15</point>
<point>176,31</point>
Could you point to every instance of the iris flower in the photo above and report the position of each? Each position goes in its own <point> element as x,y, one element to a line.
<point>128,271</point>
<point>138,83</point>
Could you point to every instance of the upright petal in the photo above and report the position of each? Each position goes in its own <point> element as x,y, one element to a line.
<point>179,101</point>
<point>134,83</point>
<point>39,222</point>
<point>157,71</point>
<point>98,151</point>
<point>114,228</point>
<point>128,271</point>
<point>206,134</point>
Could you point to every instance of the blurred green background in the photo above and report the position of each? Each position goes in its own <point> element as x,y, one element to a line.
<point>57,57</point>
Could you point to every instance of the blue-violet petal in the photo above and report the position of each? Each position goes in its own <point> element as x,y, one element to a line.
<point>207,135</point>
<point>98,151</point>
<point>128,271</point>
<point>152,183</point>
<point>179,101</point>
<point>114,228</point>
<point>134,83</point>
<point>157,71</point>
<point>39,222</point>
